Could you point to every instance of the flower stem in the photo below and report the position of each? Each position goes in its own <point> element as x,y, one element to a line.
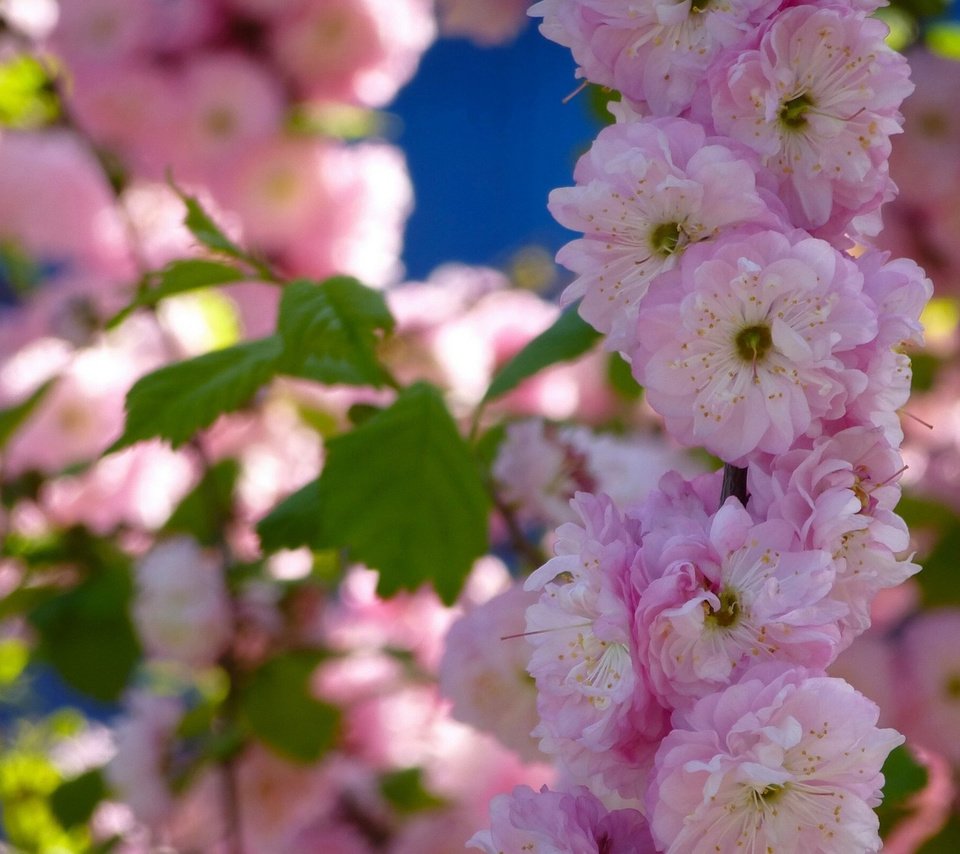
<point>734,483</point>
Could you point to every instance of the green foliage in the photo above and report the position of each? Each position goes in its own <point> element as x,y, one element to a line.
<point>206,510</point>
<point>12,418</point>
<point>279,709</point>
<point>598,100</point>
<point>330,331</point>
<point>179,277</point>
<point>487,447</point>
<point>326,332</point>
<point>14,656</point>
<point>570,336</point>
<point>28,779</point>
<point>28,98</point>
<point>201,225</point>
<point>621,378</point>
<point>405,792</point>
<point>180,399</point>
<point>85,633</point>
<point>925,367</point>
<point>294,522</point>
<point>903,778</point>
<point>401,492</point>
<point>947,841</point>
<point>74,801</point>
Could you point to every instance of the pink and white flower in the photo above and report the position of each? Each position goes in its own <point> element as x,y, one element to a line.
<point>655,52</point>
<point>645,192</point>
<point>818,99</point>
<point>786,761</point>
<point>739,594</point>
<point>596,711</point>
<point>743,355</point>
<point>561,823</point>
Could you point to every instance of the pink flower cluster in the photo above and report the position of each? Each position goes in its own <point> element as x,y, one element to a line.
<point>211,93</point>
<point>680,643</point>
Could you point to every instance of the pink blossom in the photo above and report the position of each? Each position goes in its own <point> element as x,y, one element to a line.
<point>539,468</point>
<point>491,23</point>
<point>925,161</point>
<point>869,665</point>
<point>743,355</point>
<point>645,191</point>
<point>360,51</point>
<point>131,107</point>
<point>83,410</point>
<point>738,594</point>
<point>181,607</point>
<point>839,496</point>
<point>101,31</point>
<point>656,52</point>
<point>929,671</point>
<point>484,671</point>
<point>57,207</point>
<point>322,208</point>
<point>818,99</point>
<point>785,761</point>
<point>561,823</point>
<point>139,487</point>
<point>595,708</point>
<point>900,290</point>
<point>226,102</point>
<point>144,738</point>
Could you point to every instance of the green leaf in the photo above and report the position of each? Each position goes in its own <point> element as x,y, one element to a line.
<point>207,509</point>
<point>86,633</point>
<point>14,655</point>
<point>75,800</point>
<point>569,337</point>
<point>28,97</point>
<point>294,522</point>
<point>330,331</point>
<point>12,418</point>
<point>903,776</point>
<point>621,378</point>
<point>281,712</point>
<point>403,493</point>
<point>201,225</point>
<point>947,841</point>
<point>179,277</point>
<point>486,448</point>
<point>405,791</point>
<point>180,399</point>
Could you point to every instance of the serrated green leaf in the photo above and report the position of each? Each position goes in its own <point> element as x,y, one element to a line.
<point>208,507</point>
<point>330,331</point>
<point>201,225</point>
<point>180,399</point>
<point>87,636</point>
<point>278,707</point>
<point>180,277</point>
<point>294,522</point>
<point>12,418</point>
<point>570,336</point>
<point>402,492</point>
<point>75,800</point>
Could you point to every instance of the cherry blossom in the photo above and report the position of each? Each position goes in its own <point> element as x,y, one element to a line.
<point>743,354</point>
<point>787,762</point>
